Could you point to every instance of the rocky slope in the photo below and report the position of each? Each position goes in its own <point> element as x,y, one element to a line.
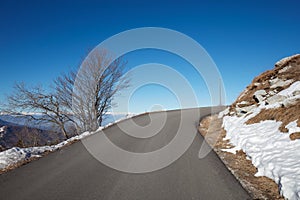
<point>264,123</point>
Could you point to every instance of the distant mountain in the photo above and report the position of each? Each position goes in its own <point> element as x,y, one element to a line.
<point>5,123</point>
<point>26,120</point>
<point>23,136</point>
<point>23,131</point>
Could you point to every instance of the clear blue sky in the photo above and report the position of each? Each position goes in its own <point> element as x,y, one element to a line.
<point>41,39</point>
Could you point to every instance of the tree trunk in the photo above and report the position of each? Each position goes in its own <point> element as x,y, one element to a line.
<point>64,132</point>
<point>100,120</point>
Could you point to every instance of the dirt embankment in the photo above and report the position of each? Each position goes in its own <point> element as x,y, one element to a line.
<point>241,167</point>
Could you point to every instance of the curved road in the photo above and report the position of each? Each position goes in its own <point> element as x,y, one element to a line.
<point>72,173</point>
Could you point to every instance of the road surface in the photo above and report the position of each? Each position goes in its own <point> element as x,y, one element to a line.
<point>73,173</point>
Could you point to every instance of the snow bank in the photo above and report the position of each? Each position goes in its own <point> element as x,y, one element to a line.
<point>16,154</point>
<point>293,90</point>
<point>273,153</point>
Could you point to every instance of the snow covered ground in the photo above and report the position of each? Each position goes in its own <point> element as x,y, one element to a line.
<point>16,154</point>
<point>272,152</point>
<point>2,131</point>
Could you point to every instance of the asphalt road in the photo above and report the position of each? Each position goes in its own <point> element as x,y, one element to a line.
<point>73,173</point>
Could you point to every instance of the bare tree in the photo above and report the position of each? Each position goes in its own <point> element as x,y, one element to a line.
<point>80,97</point>
<point>27,100</point>
<point>89,92</point>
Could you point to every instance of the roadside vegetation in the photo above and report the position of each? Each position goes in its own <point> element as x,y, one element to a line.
<point>73,103</point>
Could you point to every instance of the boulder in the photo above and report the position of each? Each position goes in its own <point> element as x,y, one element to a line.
<point>289,102</point>
<point>244,110</point>
<point>275,99</point>
<point>275,83</point>
<point>259,95</point>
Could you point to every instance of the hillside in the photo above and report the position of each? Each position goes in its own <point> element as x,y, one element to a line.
<point>276,92</point>
<point>257,137</point>
<point>264,122</point>
<point>16,155</point>
<point>12,135</point>
<point>23,131</point>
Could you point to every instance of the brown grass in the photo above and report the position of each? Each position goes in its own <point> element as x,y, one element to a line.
<point>295,136</point>
<point>283,114</point>
<point>258,187</point>
<point>292,73</point>
<point>241,168</point>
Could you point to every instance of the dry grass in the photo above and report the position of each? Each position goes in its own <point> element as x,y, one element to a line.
<point>295,136</point>
<point>258,187</point>
<point>283,114</point>
<point>293,73</point>
<point>211,128</point>
<point>241,168</point>
<point>262,82</point>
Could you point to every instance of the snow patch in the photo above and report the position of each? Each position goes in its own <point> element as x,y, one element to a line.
<point>275,83</point>
<point>16,154</point>
<point>259,95</point>
<point>285,69</point>
<point>243,103</point>
<point>232,150</point>
<point>223,113</point>
<point>292,90</point>
<point>273,153</point>
<point>292,127</point>
<point>2,131</point>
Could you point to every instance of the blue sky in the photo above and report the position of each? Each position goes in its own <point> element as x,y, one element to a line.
<point>41,39</point>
